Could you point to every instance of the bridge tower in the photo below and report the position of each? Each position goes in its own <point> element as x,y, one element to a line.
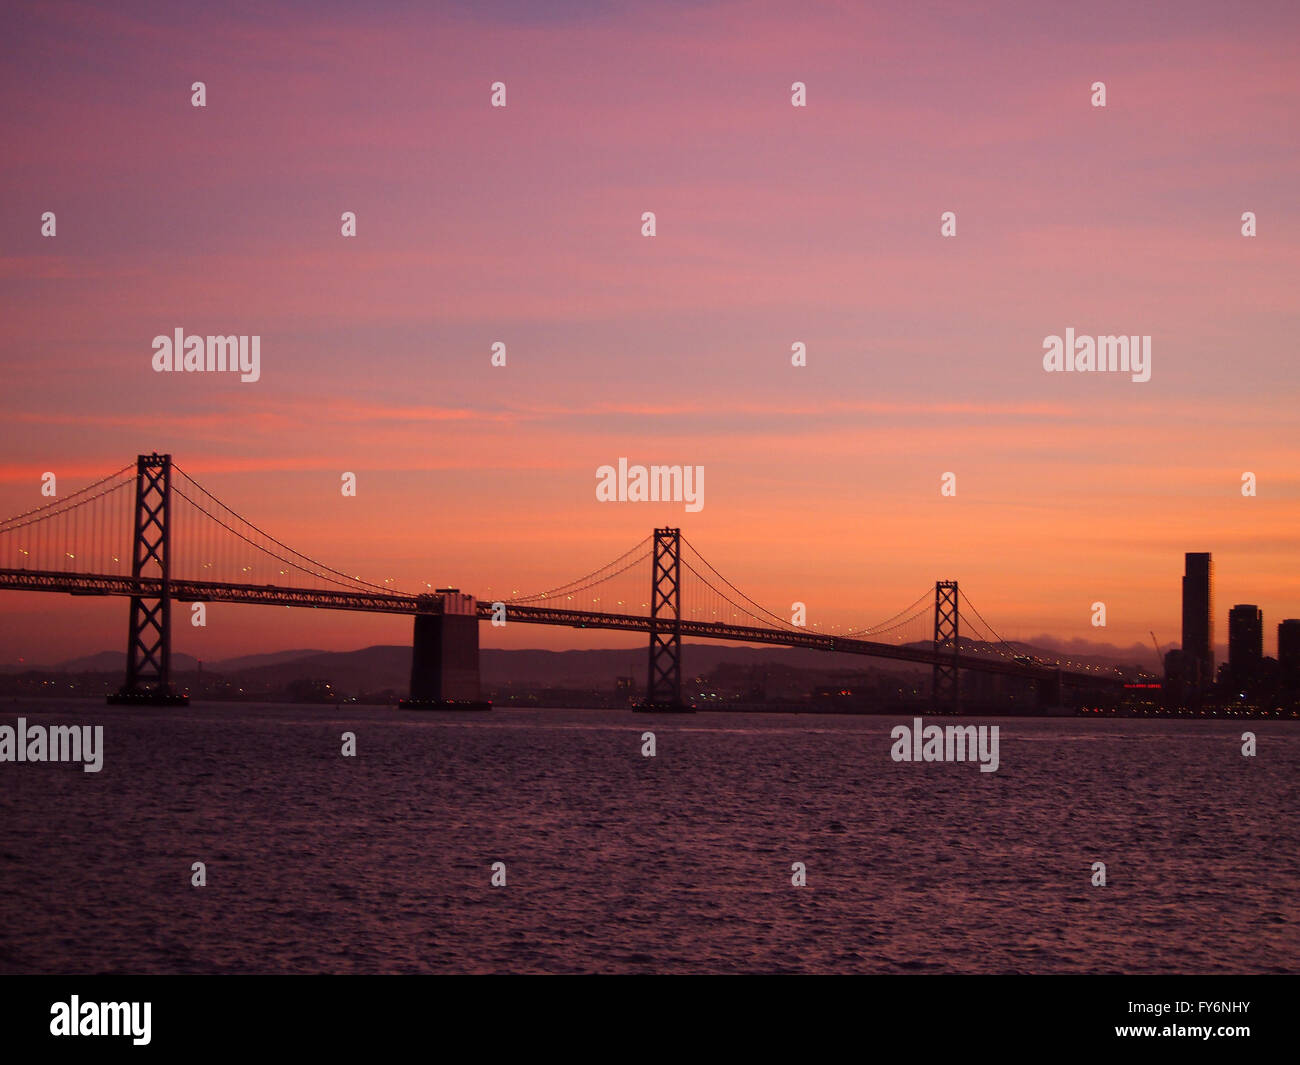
<point>444,654</point>
<point>663,692</point>
<point>149,636</point>
<point>946,687</point>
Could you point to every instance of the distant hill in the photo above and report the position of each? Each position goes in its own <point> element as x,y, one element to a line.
<point>234,665</point>
<point>369,669</point>
<point>111,662</point>
<point>388,667</point>
<point>115,662</point>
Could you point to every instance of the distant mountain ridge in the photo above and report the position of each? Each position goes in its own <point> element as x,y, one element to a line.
<point>107,661</point>
<point>389,666</point>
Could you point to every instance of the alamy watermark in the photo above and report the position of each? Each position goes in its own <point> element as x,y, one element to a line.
<point>950,743</point>
<point>1108,354</point>
<point>53,743</point>
<point>196,354</point>
<point>651,484</point>
<point>102,1018</point>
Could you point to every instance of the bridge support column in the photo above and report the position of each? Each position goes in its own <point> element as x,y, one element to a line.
<point>149,639</point>
<point>946,687</point>
<point>1049,692</point>
<point>663,692</point>
<point>444,654</point>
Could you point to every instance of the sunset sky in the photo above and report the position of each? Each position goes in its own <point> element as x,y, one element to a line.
<point>775,224</point>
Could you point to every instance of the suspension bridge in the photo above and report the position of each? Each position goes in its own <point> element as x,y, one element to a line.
<point>151,533</point>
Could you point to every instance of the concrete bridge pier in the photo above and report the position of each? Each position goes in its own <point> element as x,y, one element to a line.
<point>1049,691</point>
<point>444,654</point>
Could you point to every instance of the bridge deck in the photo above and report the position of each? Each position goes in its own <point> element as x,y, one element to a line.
<point>382,603</point>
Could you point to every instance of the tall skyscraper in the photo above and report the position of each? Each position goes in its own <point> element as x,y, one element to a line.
<point>1198,621</point>
<point>1175,676</point>
<point>1245,644</point>
<point>1288,650</point>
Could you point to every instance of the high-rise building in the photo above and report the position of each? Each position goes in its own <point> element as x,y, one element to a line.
<point>1198,621</point>
<point>1245,645</point>
<point>1175,675</point>
<point>1288,651</point>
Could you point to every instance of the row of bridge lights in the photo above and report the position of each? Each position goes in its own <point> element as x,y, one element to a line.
<point>734,614</point>
<point>203,565</point>
<point>515,592</point>
<point>67,554</point>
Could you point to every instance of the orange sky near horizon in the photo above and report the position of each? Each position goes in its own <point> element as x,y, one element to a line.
<point>775,224</point>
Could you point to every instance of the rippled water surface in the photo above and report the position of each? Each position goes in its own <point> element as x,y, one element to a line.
<point>617,862</point>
